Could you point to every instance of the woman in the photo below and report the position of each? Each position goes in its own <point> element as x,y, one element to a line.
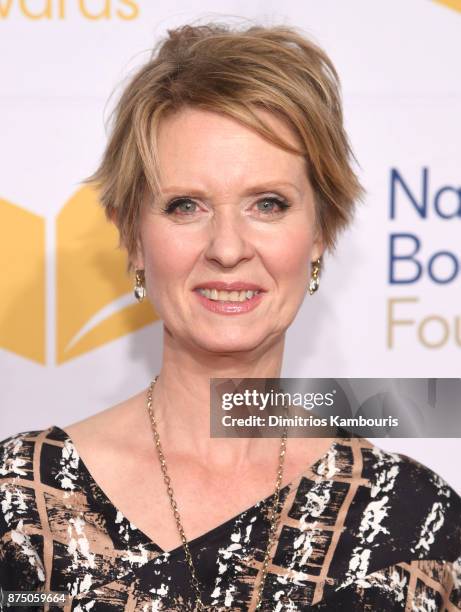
<point>228,174</point>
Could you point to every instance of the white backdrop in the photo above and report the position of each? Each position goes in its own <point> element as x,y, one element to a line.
<point>399,66</point>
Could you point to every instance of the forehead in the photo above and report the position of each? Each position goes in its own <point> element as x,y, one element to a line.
<point>217,151</point>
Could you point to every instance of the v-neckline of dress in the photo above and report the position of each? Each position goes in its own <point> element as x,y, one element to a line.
<point>211,534</point>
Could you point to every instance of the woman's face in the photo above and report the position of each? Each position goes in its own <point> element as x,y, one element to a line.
<point>221,217</point>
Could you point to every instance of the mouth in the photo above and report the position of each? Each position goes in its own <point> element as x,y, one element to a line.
<point>235,291</point>
<point>216,295</point>
<point>236,301</point>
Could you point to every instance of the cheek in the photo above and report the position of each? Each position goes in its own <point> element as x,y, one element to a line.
<point>289,255</point>
<point>167,257</point>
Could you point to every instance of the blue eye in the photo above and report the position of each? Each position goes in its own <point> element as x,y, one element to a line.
<point>173,205</point>
<point>188,205</point>
<point>282,204</point>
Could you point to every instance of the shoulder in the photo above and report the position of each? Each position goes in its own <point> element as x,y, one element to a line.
<point>383,469</point>
<point>31,463</point>
<point>17,453</point>
<point>402,509</point>
<point>408,484</point>
<point>398,524</point>
<point>20,540</point>
<point>110,429</point>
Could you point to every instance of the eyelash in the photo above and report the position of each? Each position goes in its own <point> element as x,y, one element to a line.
<point>173,204</point>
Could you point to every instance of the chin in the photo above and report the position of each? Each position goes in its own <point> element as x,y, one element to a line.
<point>226,344</point>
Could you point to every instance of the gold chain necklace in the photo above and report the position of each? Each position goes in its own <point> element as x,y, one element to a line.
<point>274,517</point>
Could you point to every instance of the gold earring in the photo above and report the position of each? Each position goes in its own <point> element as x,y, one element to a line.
<point>140,289</point>
<point>314,284</point>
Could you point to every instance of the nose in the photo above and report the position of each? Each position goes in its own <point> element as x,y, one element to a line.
<point>229,240</point>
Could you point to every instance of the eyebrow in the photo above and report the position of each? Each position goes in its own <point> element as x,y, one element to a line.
<point>259,188</point>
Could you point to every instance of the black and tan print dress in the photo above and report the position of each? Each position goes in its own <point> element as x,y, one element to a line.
<point>361,529</point>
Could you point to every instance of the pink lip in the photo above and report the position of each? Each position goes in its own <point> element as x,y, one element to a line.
<point>234,286</point>
<point>229,307</point>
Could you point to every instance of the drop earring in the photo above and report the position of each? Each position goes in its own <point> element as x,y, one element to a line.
<point>140,289</point>
<point>314,283</point>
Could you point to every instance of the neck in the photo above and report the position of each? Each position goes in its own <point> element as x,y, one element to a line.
<point>181,400</point>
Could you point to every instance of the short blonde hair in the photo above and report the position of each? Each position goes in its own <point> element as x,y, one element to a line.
<point>235,72</point>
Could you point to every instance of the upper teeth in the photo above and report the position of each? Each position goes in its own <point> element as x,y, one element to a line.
<point>228,296</point>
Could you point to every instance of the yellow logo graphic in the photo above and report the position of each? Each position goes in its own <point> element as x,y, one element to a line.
<point>94,295</point>
<point>453,4</point>
<point>22,284</point>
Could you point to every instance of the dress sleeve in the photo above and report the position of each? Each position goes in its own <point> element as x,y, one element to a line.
<point>423,586</point>
<point>415,585</point>
<point>424,530</point>
<point>403,540</point>
<point>21,548</point>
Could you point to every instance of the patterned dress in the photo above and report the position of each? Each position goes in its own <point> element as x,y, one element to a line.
<point>360,529</point>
